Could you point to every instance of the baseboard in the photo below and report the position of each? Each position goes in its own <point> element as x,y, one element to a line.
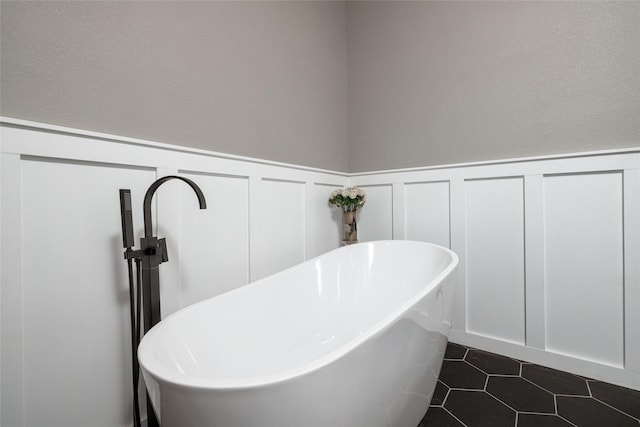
<point>574,365</point>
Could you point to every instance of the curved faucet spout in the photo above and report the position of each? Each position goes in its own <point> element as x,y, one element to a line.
<point>148,227</point>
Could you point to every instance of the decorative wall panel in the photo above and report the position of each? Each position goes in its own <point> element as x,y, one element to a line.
<point>495,258</point>
<point>375,219</point>
<point>74,292</point>
<point>281,235</point>
<point>584,266</point>
<point>213,252</point>
<point>327,219</point>
<point>427,212</point>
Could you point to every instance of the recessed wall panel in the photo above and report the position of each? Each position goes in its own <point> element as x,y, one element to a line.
<point>495,258</point>
<point>214,243</point>
<point>281,238</point>
<point>427,212</point>
<point>375,219</point>
<point>583,246</point>
<point>327,226</point>
<point>76,338</point>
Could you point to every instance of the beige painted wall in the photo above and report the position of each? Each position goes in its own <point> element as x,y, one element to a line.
<point>261,79</point>
<point>447,82</point>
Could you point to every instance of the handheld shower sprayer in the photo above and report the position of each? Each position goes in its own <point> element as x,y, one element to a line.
<point>145,294</point>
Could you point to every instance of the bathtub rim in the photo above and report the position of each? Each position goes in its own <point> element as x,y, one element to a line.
<point>163,375</point>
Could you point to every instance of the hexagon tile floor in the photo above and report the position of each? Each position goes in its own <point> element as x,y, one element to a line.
<point>478,389</point>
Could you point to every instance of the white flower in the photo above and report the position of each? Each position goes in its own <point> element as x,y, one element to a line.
<point>352,192</point>
<point>349,198</point>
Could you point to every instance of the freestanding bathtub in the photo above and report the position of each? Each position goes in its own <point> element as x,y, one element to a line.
<point>352,338</point>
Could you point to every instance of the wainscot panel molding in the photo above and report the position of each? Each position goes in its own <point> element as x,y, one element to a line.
<point>64,305</point>
<point>494,276</point>
<point>583,259</point>
<point>549,253</point>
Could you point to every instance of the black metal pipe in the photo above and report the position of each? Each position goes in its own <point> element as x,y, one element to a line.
<point>155,253</point>
<point>152,253</point>
<point>148,227</point>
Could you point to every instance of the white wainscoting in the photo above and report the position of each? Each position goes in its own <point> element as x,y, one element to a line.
<point>213,254</point>
<point>549,250</point>
<point>583,257</point>
<point>376,222</point>
<point>495,258</point>
<point>426,212</point>
<point>64,298</point>
<point>280,225</point>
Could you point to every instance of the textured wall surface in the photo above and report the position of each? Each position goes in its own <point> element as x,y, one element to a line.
<point>348,86</point>
<point>447,82</point>
<point>260,79</point>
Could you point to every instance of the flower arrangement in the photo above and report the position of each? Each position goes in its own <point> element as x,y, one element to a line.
<point>349,199</point>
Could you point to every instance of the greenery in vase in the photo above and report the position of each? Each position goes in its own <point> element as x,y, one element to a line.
<point>349,199</point>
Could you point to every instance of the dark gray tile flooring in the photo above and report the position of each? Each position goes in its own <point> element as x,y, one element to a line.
<point>478,389</point>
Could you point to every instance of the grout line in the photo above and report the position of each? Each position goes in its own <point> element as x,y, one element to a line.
<point>505,375</point>
<point>570,422</point>
<point>539,386</point>
<point>465,389</point>
<point>453,415</point>
<point>614,408</point>
<point>574,395</point>
<point>446,396</point>
<point>503,402</point>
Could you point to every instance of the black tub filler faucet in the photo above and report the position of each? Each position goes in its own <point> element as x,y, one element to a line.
<point>145,294</point>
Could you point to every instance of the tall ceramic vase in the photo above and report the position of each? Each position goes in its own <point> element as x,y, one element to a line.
<point>350,227</point>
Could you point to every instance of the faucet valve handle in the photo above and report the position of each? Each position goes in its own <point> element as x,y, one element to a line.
<point>162,245</point>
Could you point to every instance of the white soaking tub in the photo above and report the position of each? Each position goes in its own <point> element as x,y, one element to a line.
<point>352,338</point>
